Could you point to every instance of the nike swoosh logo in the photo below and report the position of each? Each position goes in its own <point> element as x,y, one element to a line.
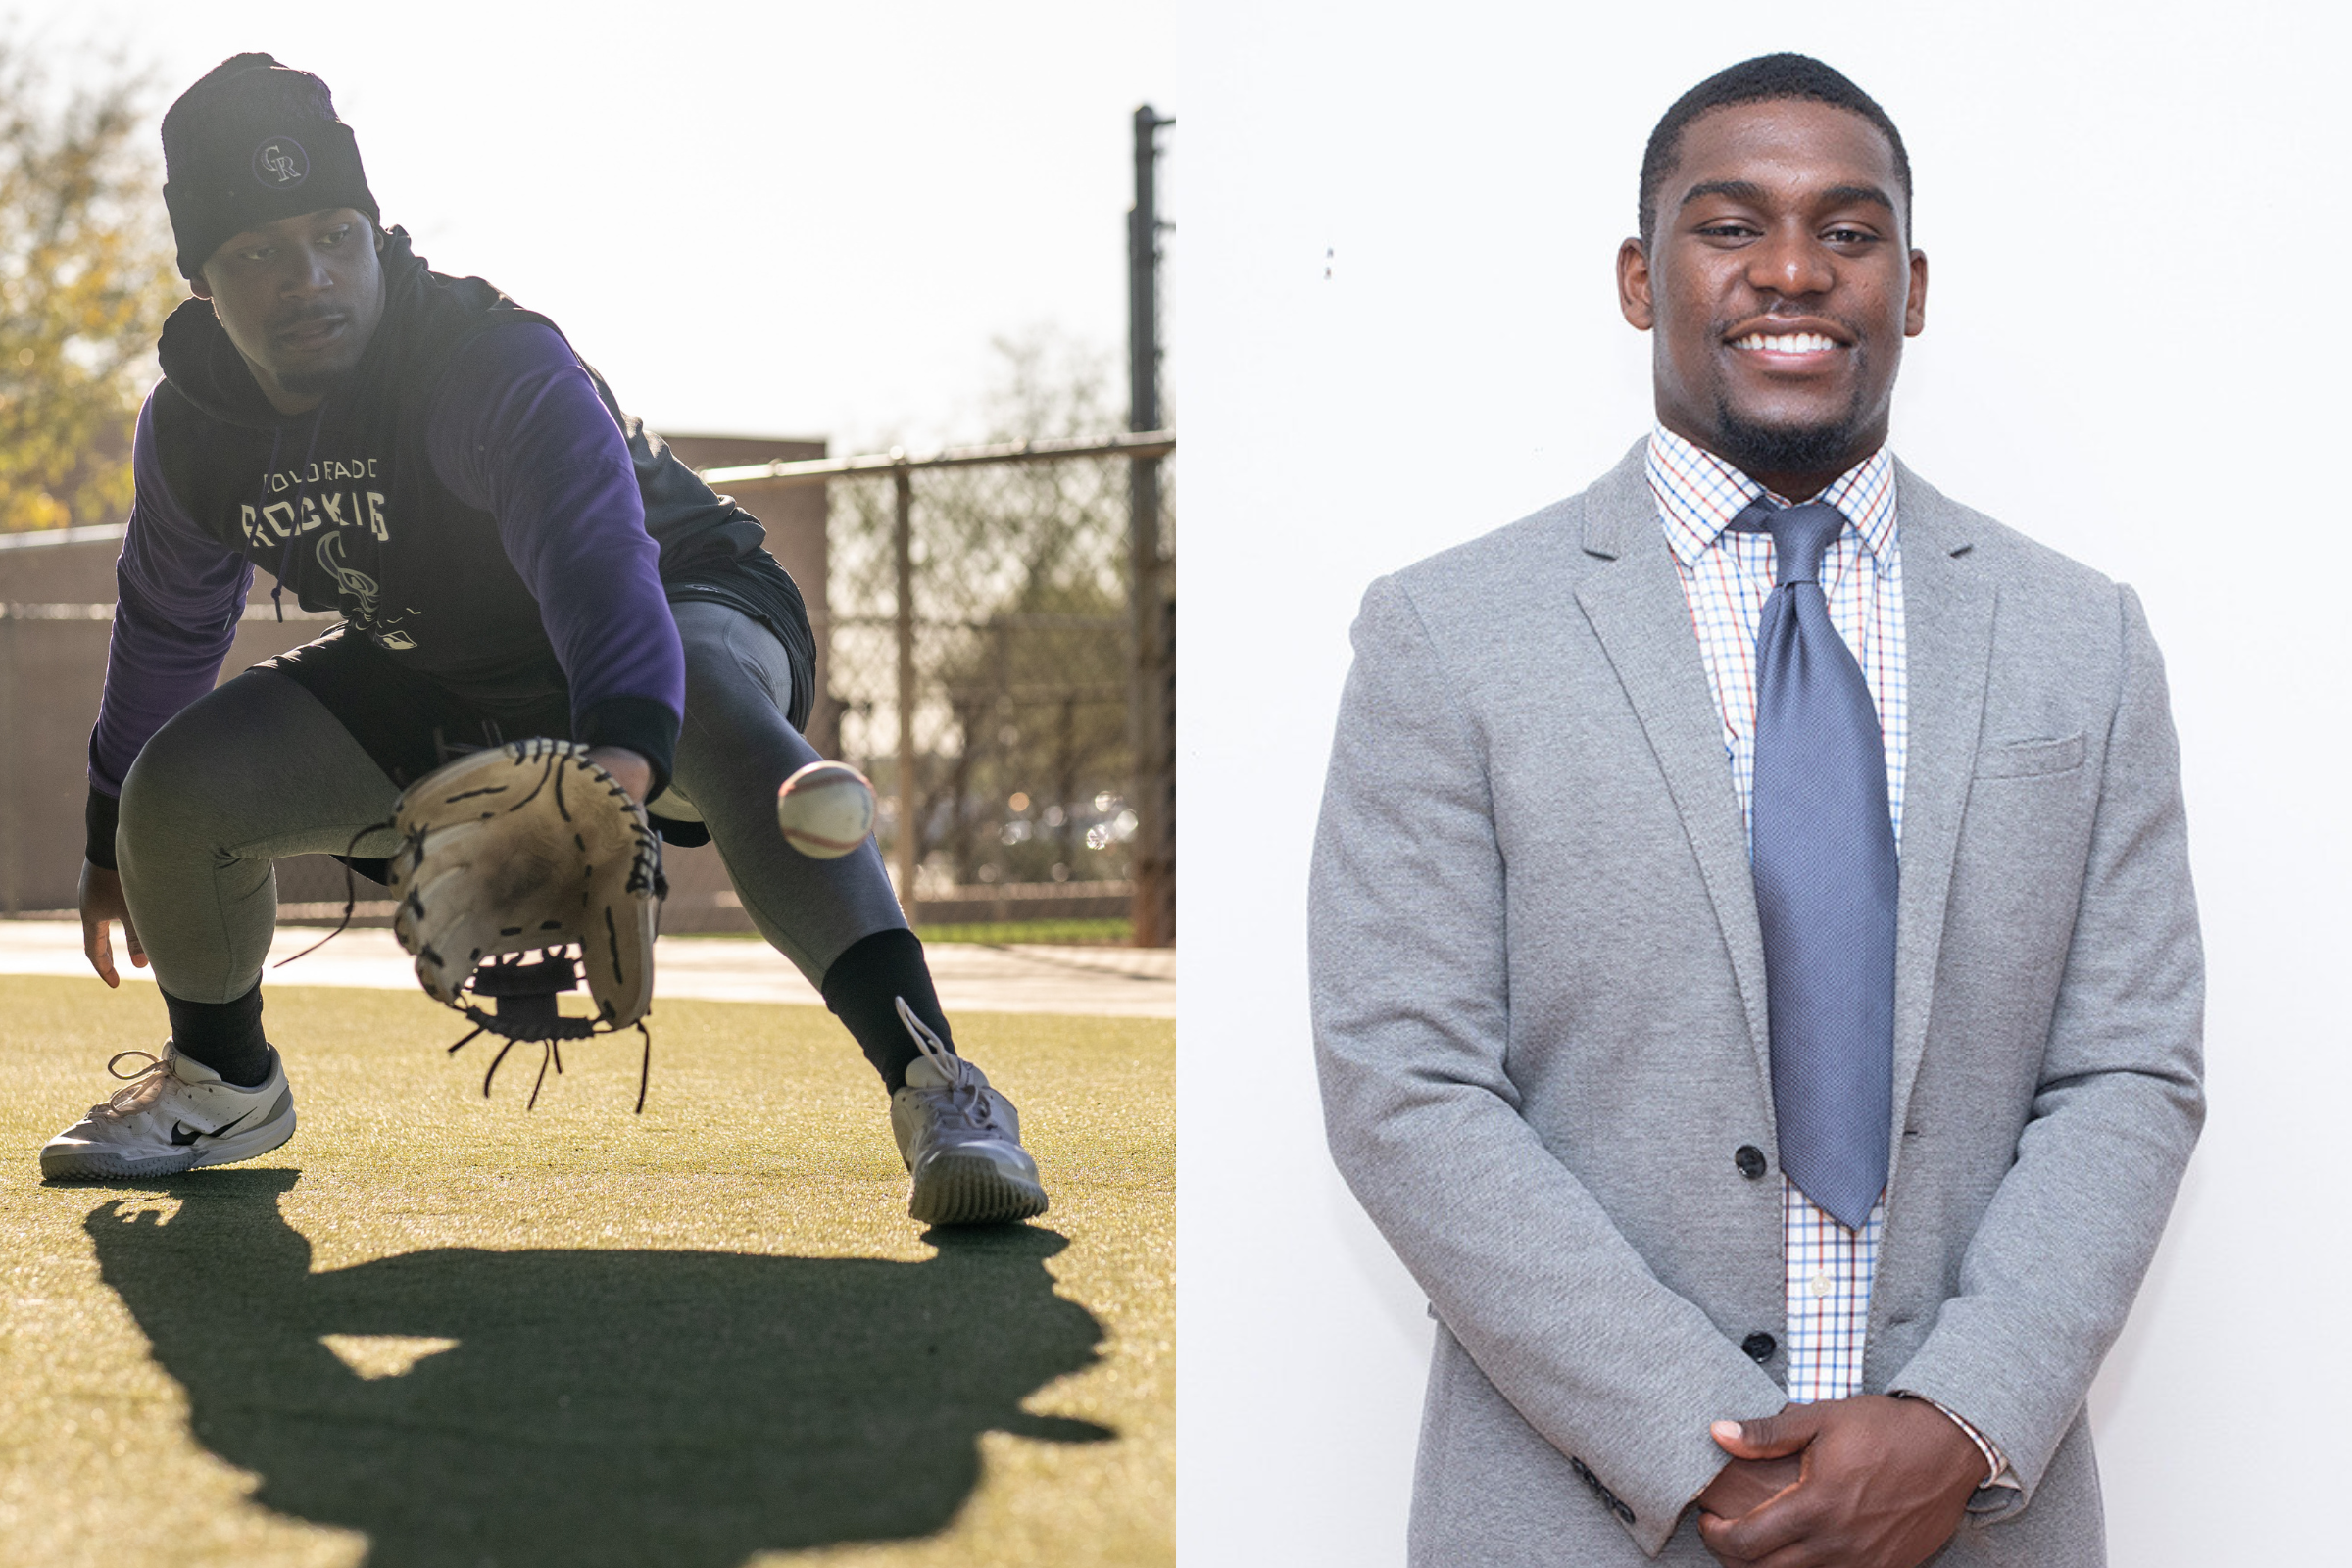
<point>184,1135</point>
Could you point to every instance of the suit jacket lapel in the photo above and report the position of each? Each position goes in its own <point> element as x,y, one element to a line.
<point>1947,629</point>
<point>1637,608</point>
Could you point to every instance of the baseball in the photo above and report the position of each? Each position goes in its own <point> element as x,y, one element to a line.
<point>825,809</point>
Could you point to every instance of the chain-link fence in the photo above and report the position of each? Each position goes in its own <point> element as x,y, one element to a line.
<point>991,667</point>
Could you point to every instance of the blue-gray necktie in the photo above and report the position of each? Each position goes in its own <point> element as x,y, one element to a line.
<point>1823,852</point>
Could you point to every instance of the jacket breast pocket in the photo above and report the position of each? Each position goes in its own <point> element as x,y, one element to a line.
<point>2030,758</point>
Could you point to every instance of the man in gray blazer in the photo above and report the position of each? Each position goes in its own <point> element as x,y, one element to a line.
<point>1601,943</point>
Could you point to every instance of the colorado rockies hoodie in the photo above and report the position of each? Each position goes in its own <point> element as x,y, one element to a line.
<point>472,500</point>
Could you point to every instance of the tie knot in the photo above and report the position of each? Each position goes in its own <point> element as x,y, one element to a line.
<point>1799,535</point>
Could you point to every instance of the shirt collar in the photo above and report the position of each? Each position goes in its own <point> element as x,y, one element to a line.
<point>1698,493</point>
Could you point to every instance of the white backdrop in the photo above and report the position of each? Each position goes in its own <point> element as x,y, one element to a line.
<point>1399,331</point>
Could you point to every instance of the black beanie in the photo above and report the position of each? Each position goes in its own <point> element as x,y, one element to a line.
<point>252,142</point>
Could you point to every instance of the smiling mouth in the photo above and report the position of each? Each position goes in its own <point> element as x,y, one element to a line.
<point>1786,343</point>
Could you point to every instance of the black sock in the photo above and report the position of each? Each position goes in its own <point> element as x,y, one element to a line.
<point>225,1036</point>
<point>863,989</point>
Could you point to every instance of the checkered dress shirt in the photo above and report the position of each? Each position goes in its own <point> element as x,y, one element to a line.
<point>1725,578</point>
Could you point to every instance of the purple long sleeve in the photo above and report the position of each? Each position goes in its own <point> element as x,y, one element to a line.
<point>179,595</point>
<point>516,430</point>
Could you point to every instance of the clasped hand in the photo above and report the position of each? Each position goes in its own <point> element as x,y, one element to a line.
<point>1870,1482</point>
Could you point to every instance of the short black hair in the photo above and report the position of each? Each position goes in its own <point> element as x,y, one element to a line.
<point>1763,80</point>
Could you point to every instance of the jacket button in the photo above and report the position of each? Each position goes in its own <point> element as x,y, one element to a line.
<point>1750,1161</point>
<point>1759,1346</point>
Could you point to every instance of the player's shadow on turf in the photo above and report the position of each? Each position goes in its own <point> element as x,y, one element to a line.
<point>623,1408</point>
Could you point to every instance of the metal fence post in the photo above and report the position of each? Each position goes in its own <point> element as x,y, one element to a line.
<point>910,845</point>
<point>1150,701</point>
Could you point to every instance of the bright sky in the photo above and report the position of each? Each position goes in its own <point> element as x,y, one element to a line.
<point>760,218</point>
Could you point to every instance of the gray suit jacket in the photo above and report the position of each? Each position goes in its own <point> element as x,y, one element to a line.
<point>1538,999</point>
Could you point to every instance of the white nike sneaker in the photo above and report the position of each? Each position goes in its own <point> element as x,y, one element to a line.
<point>174,1114</point>
<point>960,1139</point>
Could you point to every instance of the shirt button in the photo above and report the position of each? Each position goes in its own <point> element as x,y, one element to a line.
<point>1759,1346</point>
<point>1820,1283</point>
<point>1751,1161</point>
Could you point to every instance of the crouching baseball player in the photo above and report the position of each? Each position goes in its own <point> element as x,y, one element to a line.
<point>513,556</point>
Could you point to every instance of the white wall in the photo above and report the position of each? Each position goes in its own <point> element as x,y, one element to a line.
<point>2136,227</point>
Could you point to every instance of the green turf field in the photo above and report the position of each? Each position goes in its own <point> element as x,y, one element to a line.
<point>438,1330</point>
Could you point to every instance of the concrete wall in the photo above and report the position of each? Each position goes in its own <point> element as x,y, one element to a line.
<point>57,594</point>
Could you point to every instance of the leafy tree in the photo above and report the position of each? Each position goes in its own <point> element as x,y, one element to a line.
<point>86,278</point>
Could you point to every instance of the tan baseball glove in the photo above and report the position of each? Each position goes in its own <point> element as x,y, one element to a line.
<point>518,849</point>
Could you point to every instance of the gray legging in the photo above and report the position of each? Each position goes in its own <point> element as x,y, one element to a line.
<point>260,768</point>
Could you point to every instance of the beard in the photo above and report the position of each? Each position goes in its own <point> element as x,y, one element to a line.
<point>1828,447</point>
<point>1755,447</point>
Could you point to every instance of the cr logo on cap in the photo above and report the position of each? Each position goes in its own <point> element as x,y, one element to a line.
<point>281,162</point>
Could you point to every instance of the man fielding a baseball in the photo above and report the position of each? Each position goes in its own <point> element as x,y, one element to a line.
<point>513,556</point>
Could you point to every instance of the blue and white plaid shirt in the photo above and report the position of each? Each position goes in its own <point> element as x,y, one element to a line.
<point>1727,577</point>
